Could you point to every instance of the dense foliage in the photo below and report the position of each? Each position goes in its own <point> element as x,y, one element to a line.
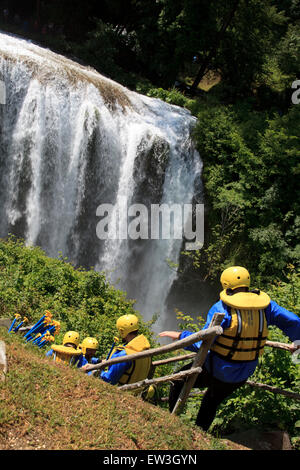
<point>248,128</point>
<point>251,175</point>
<point>247,134</point>
<point>183,38</point>
<point>80,300</point>
<point>251,186</point>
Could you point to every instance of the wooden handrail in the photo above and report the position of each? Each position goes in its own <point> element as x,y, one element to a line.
<point>272,389</point>
<point>166,378</point>
<point>269,388</point>
<point>202,335</point>
<point>207,337</point>
<point>184,357</point>
<point>275,344</point>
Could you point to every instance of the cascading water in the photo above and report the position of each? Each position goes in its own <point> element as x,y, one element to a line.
<point>72,140</point>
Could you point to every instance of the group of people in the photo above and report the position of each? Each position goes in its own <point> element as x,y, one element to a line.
<point>73,352</point>
<point>82,355</point>
<point>232,358</point>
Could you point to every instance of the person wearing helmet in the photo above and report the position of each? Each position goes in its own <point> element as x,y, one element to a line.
<point>133,342</point>
<point>71,339</point>
<point>234,355</point>
<point>68,352</point>
<point>89,348</point>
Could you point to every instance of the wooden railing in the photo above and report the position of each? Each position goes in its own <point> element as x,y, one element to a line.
<point>269,388</point>
<point>207,337</point>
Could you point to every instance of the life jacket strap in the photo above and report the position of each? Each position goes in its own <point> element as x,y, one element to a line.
<point>128,374</point>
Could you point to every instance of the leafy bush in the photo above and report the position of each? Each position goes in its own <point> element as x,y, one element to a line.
<point>80,300</point>
<point>252,215</point>
<point>172,96</point>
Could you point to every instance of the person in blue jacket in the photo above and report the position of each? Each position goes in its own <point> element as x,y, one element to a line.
<point>89,348</point>
<point>133,343</point>
<point>234,355</point>
<point>68,352</point>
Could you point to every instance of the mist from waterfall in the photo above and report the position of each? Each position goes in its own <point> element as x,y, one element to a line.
<point>71,140</point>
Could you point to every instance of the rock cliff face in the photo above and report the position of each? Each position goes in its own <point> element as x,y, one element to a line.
<point>72,140</point>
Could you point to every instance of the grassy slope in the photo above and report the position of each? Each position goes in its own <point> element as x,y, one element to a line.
<point>52,406</point>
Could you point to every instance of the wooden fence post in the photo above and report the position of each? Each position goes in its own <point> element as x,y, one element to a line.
<point>201,335</point>
<point>3,361</point>
<point>198,362</point>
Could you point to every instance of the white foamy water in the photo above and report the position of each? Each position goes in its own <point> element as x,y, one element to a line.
<point>70,140</point>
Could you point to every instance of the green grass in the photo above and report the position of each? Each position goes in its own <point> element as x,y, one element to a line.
<point>52,406</point>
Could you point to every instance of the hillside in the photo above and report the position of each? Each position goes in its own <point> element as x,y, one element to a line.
<point>86,117</point>
<point>51,406</point>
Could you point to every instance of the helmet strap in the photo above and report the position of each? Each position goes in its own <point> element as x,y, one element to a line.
<point>255,291</point>
<point>231,291</point>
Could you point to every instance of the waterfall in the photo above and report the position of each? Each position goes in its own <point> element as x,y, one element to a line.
<point>72,140</point>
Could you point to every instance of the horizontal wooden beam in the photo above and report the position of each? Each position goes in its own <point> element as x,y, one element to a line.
<point>275,344</point>
<point>269,388</point>
<point>272,389</point>
<point>180,344</point>
<point>166,378</point>
<point>182,357</point>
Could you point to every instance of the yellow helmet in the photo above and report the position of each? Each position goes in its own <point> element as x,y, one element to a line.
<point>126,324</point>
<point>89,343</point>
<point>71,337</point>
<point>235,276</point>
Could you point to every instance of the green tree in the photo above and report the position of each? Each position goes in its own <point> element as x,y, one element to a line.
<point>246,44</point>
<point>250,181</point>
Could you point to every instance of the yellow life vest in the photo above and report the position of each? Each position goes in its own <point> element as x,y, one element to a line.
<point>245,339</point>
<point>140,368</point>
<point>65,354</point>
